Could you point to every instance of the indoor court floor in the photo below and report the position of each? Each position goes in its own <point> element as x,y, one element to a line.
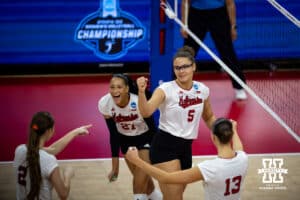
<point>73,99</point>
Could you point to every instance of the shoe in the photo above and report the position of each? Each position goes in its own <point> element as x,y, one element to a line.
<point>240,94</point>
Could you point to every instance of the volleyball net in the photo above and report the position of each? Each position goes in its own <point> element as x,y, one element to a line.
<point>285,109</point>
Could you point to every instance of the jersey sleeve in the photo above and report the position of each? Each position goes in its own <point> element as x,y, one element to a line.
<point>104,108</point>
<point>151,123</point>
<point>114,137</point>
<point>103,105</point>
<point>18,155</point>
<point>243,155</point>
<point>205,91</point>
<point>164,86</point>
<point>208,171</point>
<point>51,164</point>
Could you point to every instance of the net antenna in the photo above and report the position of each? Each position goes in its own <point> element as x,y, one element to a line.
<point>286,13</point>
<point>172,15</point>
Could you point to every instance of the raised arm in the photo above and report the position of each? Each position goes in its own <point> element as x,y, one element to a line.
<point>231,9</point>
<point>61,144</point>
<point>178,177</point>
<point>185,4</point>
<point>236,141</point>
<point>208,115</point>
<point>147,107</point>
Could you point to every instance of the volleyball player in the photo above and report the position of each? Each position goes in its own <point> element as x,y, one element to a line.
<point>35,165</point>
<point>182,102</point>
<point>222,177</point>
<point>127,128</point>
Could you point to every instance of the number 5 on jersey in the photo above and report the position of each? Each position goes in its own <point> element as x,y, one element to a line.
<point>191,114</point>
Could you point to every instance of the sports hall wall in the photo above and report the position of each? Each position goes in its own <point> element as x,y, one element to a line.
<point>40,36</point>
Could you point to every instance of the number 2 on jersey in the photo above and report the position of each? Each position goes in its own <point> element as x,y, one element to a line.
<point>128,126</point>
<point>22,171</point>
<point>233,185</point>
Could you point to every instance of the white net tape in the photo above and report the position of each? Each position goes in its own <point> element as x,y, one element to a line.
<point>286,13</point>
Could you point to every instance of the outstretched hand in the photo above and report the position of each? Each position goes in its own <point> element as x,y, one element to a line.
<point>132,154</point>
<point>83,130</point>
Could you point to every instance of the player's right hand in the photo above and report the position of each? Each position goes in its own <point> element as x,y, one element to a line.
<point>142,83</point>
<point>112,176</point>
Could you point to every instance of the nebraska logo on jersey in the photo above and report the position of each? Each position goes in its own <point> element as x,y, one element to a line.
<point>125,118</point>
<point>186,101</point>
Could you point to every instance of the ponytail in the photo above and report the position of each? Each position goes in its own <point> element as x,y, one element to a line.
<point>40,123</point>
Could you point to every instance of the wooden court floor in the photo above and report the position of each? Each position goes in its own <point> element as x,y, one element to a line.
<point>90,182</point>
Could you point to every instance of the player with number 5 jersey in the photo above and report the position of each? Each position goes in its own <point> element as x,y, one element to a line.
<point>181,113</point>
<point>181,102</point>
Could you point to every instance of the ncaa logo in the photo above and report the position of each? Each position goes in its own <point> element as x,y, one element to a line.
<point>195,86</point>
<point>133,105</point>
<point>109,32</point>
<point>272,170</point>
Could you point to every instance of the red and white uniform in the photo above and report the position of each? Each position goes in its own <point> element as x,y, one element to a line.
<point>181,111</point>
<point>223,178</point>
<point>128,120</point>
<point>48,163</point>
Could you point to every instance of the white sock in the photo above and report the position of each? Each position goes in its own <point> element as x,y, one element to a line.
<point>140,197</point>
<point>155,195</point>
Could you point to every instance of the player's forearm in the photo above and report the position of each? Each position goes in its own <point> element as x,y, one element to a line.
<point>155,172</point>
<point>61,144</point>
<point>209,122</point>
<point>236,142</point>
<point>115,164</point>
<point>114,138</point>
<point>143,108</point>
<point>231,9</point>
<point>67,184</point>
<point>184,11</point>
<point>208,115</point>
<point>63,189</point>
